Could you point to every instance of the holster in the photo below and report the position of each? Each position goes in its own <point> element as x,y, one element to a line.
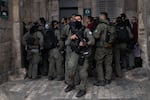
<point>81,60</point>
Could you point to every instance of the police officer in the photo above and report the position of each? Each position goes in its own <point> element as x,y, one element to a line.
<point>130,54</point>
<point>104,39</point>
<point>33,42</point>
<point>121,47</point>
<point>43,67</point>
<point>74,63</point>
<point>55,57</point>
<point>67,26</point>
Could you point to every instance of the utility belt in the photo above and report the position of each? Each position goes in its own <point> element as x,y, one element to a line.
<point>99,44</point>
<point>31,52</point>
<point>83,53</point>
<point>33,49</point>
<point>102,44</point>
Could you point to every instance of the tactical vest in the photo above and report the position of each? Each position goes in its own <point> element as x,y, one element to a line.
<point>104,37</point>
<point>33,40</point>
<point>81,37</point>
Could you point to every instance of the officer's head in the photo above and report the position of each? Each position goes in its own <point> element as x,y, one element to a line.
<point>69,19</point>
<point>55,24</point>
<point>123,16</point>
<point>42,21</point>
<point>33,29</point>
<point>73,17</point>
<point>103,15</point>
<point>64,20</point>
<point>78,18</point>
<point>89,19</point>
<point>119,20</point>
<point>78,21</point>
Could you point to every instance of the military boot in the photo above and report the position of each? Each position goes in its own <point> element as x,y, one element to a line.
<point>81,93</point>
<point>69,88</point>
<point>100,83</point>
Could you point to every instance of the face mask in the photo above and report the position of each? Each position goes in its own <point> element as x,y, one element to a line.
<point>78,24</point>
<point>46,26</point>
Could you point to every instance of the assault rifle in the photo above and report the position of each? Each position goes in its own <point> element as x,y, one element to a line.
<point>83,51</point>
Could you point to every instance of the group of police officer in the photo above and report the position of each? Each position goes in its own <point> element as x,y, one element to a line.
<point>64,53</point>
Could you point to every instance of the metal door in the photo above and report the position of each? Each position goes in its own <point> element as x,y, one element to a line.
<point>68,7</point>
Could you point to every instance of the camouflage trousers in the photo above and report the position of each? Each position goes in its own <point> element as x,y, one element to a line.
<point>103,56</point>
<point>74,67</point>
<point>77,78</point>
<point>56,69</point>
<point>34,58</point>
<point>122,53</point>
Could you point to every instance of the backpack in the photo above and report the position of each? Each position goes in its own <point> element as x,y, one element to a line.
<point>50,40</point>
<point>122,34</point>
<point>108,42</point>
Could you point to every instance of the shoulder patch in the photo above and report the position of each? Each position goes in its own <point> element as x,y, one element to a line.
<point>96,30</point>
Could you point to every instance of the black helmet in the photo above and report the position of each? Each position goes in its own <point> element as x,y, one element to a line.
<point>54,22</point>
<point>33,29</point>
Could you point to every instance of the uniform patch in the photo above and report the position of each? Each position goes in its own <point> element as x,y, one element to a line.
<point>96,31</point>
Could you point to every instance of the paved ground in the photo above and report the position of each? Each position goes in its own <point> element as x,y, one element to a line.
<point>120,89</point>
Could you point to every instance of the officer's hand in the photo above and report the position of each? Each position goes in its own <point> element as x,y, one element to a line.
<point>81,44</point>
<point>73,37</point>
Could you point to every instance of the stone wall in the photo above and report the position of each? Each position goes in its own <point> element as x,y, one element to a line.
<point>6,47</point>
<point>148,29</point>
<point>32,10</point>
<point>144,32</point>
<point>10,44</point>
<point>131,7</point>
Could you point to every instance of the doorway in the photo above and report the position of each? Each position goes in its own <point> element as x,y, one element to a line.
<point>67,8</point>
<point>67,12</point>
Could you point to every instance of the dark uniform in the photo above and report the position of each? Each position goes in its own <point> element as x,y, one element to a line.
<point>34,43</point>
<point>74,66</point>
<point>104,39</point>
<point>55,58</point>
<point>64,35</point>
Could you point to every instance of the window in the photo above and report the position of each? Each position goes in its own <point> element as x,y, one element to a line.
<point>4,9</point>
<point>109,6</point>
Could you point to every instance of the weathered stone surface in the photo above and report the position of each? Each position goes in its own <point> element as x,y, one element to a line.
<point>5,50</point>
<point>138,75</point>
<point>143,31</point>
<point>119,89</point>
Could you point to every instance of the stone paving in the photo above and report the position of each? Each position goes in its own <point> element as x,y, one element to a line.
<point>42,89</point>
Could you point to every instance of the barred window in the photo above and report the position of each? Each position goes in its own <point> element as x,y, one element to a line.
<point>109,6</point>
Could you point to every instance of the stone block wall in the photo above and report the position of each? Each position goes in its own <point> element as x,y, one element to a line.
<point>6,37</point>
<point>5,50</point>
